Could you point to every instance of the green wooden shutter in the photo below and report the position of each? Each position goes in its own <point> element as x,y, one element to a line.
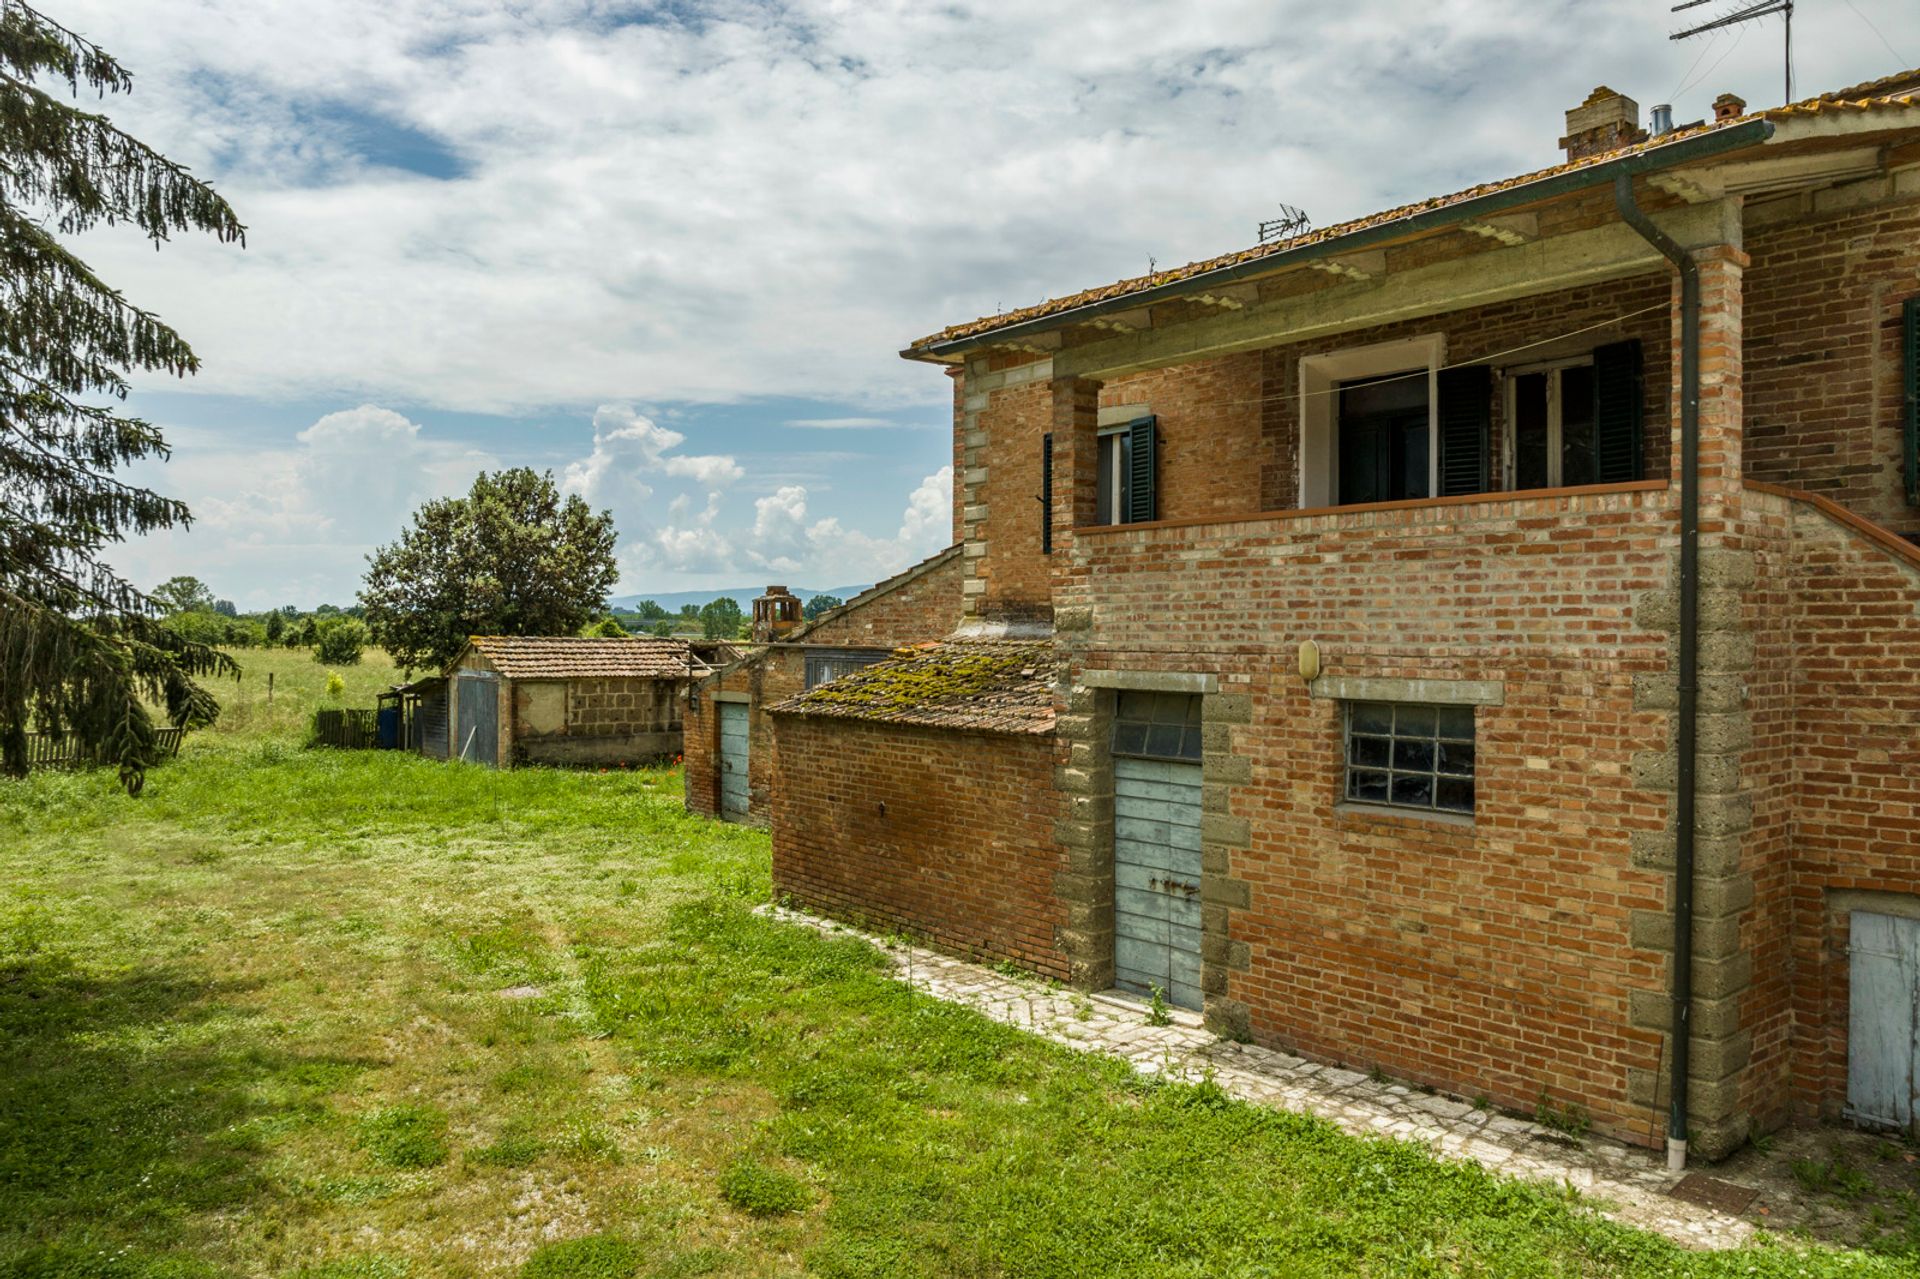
<point>1143,471</point>
<point>1910,359</point>
<point>1618,407</point>
<point>1466,401</point>
<point>1046,493</point>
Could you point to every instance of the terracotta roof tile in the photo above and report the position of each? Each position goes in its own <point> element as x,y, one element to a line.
<point>1866,97</point>
<point>572,657</point>
<point>986,686</point>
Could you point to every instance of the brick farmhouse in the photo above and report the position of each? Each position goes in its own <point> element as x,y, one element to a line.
<point>1478,642</point>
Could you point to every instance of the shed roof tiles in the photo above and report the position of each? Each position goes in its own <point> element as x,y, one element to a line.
<point>1887,93</point>
<point>986,686</point>
<point>573,657</point>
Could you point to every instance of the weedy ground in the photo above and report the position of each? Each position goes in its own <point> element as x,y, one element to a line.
<point>329,1014</point>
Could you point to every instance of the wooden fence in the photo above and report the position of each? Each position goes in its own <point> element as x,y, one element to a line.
<point>349,729</point>
<point>62,750</point>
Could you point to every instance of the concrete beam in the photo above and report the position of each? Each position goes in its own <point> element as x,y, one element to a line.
<point>1540,266</point>
<point>1509,229</point>
<point>1354,266</point>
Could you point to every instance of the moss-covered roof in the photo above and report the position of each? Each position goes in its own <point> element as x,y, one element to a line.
<point>990,686</point>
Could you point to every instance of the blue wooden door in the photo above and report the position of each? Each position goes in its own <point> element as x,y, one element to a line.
<point>1883,1032</point>
<point>734,798</point>
<point>1156,878</point>
<point>478,718</point>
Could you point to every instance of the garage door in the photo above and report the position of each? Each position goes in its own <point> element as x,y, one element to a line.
<point>733,761</point>
<point>1883,963</point>
<point>1156,846</point>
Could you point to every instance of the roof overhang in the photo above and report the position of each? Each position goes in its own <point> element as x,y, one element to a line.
<point>1476,209</point>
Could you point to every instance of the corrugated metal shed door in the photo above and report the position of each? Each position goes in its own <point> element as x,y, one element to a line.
<point>1883,988</point>
<point>478,722</point>
<point>733,761</point>
<point>1156,872</point>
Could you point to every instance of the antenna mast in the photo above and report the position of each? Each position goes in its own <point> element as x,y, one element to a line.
<point>1745,11</point>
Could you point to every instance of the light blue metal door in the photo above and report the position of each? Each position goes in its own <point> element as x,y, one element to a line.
<point>1883,1033</point>
<point>733,761</point>
<point>1156,878</point>
<point>478,717</point>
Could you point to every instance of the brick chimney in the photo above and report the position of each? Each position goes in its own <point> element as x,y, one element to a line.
<point>1729,106</point>
<point>1605,122</point>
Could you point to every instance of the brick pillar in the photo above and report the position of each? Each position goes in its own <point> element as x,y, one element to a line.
<point>1076,456</point>
<point>960,425</point>
<point>970,483</point>
<point>1722,271</point>
<point>1718,1113</point>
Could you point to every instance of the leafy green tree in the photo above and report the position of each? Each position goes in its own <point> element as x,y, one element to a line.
<point>510,558</point>
<point>339,641</point>
<point>690,611</point>
<point>226,608</point>
<point>649,611</point>
<point>183,595</point>
<point>663,629</point>
<point>82,651</point>
<point>721,619</point>
<point>819,604</point>
<point>309,632</point>
<point>276,626</point>
<point>606,628</point>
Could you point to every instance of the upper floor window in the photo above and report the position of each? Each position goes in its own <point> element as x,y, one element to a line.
<point>1551,409</point>
<point>1386,440</point>
<point>1128,467</point>
<point>1110,504</point>
<point>827,665</point>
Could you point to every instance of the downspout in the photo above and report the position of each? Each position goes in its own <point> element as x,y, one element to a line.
<point>1684,744</point>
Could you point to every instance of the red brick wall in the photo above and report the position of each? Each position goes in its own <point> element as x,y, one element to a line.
<point>1855,672</point>
<point>1822,338</point>
<point>1493,957</point>
<point>858,834</point>
<point>1014,567</point>
<point>1210,447</point>
<point>927,607</point>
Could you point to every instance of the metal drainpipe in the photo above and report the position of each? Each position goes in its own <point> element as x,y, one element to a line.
<point>1689,642</point>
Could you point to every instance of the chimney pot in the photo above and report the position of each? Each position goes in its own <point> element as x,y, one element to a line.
<point>1662,119</point>
<point>1729,106</point>
<point>1606,121</point>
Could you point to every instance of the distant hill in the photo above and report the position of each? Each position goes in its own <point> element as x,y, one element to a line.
<point>742,595</point>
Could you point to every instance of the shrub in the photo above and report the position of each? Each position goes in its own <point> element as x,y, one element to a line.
<point>338,641</point>
<point>761,1191</point>
<point>405,1136</point>
<point>336,687</point>
<point>592,1257</point>
<point>606,628</point>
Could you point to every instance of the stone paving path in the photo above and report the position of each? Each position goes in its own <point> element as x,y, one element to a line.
<point>1628,1183</point>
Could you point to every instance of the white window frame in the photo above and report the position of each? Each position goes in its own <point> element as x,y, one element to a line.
<point>1116,420</point>
<point>1509,446</point>
<point>1320,378</point>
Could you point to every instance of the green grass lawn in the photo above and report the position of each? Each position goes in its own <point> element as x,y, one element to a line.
<point>253,1023</point>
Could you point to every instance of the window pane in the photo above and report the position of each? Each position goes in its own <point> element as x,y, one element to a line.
<point>1372,717</point>
<point>1530,431</point>
<point>1371,752</point>
<point>1456,757</point>
<point>1578,463</point>
<point>1455,795</point>
<point>1190,742</point>
<point>1129,739</point>
<point>1456,722</point>
<point>1164,740</point>
<point>1370,787</point>
<point>1414,789</point>
<point>1413,721</point>
<point>1413,753</point>
<point>1103,501</point>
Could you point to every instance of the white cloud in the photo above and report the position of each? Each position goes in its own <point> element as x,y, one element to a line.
<point>736,199</point>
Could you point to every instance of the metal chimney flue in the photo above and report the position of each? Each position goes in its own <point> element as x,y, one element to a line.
<point>1662,122</point>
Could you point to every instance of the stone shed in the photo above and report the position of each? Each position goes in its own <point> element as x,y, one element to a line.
<point>567,700</point>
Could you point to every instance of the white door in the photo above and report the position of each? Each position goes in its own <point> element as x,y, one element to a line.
<point>1156,878</point>
<point>733,761</point>
<point>1883,1031</point>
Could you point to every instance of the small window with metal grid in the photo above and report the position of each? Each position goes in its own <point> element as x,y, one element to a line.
<point>826,667</point>
<point>1410,756</point>
<point>1157,726</point>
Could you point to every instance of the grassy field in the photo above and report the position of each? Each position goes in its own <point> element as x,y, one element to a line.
<point>327,1014</point>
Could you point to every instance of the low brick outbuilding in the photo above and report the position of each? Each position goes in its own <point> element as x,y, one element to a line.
<point>567,700</point>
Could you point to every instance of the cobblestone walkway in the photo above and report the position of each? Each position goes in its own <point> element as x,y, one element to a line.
<point>1628,1183</point>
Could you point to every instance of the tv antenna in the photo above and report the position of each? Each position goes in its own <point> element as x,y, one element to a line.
<point>1290,223</point>
<point>1744,11</point>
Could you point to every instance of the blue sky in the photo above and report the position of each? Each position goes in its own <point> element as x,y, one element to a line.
<point>670,250</point>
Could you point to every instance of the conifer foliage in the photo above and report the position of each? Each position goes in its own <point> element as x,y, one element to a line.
<point>81,651</point>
